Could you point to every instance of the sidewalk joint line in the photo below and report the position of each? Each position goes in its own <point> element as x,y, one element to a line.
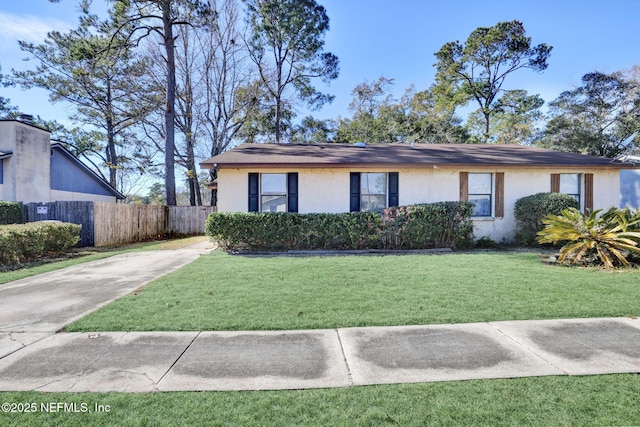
<point>177,359</point>
<point>528,348</point>
<point>344,357</point>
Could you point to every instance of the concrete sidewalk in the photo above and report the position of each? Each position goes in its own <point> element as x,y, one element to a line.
<point>164,361</point>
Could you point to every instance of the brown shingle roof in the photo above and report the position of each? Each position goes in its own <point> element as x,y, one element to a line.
<point>377,155</point>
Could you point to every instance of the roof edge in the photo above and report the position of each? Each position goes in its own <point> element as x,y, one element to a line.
<point>57,144</point>
<point>408,166</point>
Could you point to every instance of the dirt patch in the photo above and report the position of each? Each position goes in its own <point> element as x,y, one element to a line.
<point>181,243</point>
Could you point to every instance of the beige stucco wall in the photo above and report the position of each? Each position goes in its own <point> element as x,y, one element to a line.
<point>327,190</point>
<point>64,196</point>
<point>27,171</point>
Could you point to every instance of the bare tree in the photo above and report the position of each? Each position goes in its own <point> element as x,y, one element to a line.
<point>161,17</point>
<point>229,77</point>
<point>214,94</point>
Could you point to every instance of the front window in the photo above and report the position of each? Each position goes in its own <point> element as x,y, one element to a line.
<point>570,184</point>
<point>373,192</point>
<point>273,192</point>
<point>480,192</point>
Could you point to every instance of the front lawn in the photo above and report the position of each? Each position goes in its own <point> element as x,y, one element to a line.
<point>224,292</point>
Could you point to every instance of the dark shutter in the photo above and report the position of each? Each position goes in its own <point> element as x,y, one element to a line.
<point>254,192</point>
<point>555,182</point>
<point>354,204</point>
<point>499,194</point>
<point>394,198</point>
<point>292,192</point>
<point>464,186</point>
<point>588,192</point>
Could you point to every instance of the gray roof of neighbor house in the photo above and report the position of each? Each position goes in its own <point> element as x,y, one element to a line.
<point>401,155</point>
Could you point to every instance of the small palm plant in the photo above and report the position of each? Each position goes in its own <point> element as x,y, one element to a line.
<point>606,239</point>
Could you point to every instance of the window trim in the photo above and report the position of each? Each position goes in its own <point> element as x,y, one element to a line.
<point>392,195</point>
<point>578,176</point>
<point>586,186</point>
<point>277,194</point>
<point>496,197</point>
<point>366,177</point>
<point>255,191</point>
<point>490,194</point>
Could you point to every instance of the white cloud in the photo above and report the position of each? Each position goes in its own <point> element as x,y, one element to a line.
<point>28,27</point>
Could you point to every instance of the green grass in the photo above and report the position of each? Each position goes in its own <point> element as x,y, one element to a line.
<point>543,401</point>
<point>223,292</point>
<point>219,292</point>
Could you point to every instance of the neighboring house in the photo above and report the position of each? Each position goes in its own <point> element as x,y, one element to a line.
<point>33,169</point>
<point>345,177</point>
<point>630,187</point>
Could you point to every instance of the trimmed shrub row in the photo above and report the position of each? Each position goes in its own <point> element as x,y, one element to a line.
<point>278,231</point>
<point>22,242</point>
<point>531,210</point>
<point>429,225</point>
<point>407,227</point>
<point>10,213</point>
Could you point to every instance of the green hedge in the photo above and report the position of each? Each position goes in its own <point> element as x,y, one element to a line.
<point>282,231</point>
<point>408,227</point>
<point>429,225</point>
<point>531,210</point>
<point>23,242</point>
<point>10,213</point>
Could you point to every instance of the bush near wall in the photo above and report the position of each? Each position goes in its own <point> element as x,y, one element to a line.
<point>531,210</point>
<point>407,227</point>
<point>429,225</point>
<point>282,231</point>
<point>10,213</point>
<point>23,242</point>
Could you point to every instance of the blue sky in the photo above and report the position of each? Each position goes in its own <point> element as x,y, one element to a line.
<point>395,39</point>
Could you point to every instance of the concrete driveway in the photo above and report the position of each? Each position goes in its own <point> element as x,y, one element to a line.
<point>47,302</point>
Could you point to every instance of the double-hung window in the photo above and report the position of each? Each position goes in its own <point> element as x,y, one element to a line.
<point>273,192</point>
<point>570,184</point>
<point>577,185</point>
<point>485,190</point>
<point>481,193</point>
<point>373,191</point>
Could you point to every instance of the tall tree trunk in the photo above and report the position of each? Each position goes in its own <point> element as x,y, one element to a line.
<point>487,119</point>
<point>112,157</point>
<point>169,115</point>
<point>190,141</point>
<point>197,200</point>
<point>195,197</point>
<point>279,87</point>
<point>192,192</point>
<point>278,106</point>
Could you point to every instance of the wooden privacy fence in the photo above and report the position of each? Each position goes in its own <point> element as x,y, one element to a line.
<point>75,212</point>
<point>106,224</point>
